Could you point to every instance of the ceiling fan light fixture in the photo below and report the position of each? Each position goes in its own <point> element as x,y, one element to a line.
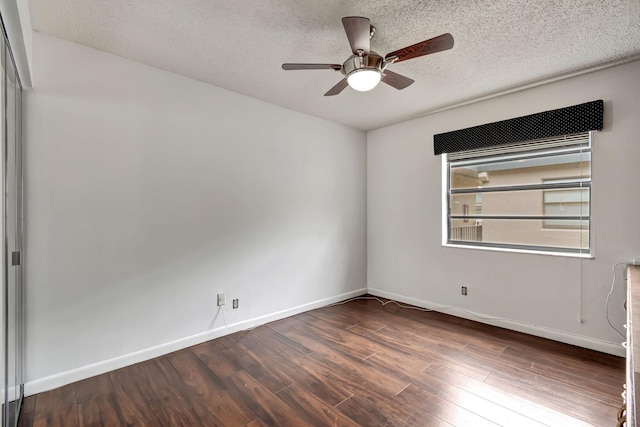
<point>364,79</point>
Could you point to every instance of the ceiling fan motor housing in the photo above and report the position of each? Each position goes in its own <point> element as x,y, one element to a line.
<point>372,61</point>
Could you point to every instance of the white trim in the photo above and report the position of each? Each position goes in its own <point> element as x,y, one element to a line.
<point>445,194</point>
<point>63,378</point>
<point>585,255</point>
<point>527,328</point>
<point>83,372</point>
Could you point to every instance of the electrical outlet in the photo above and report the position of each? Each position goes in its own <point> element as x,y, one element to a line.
<point>221,300</point>
<point>464,290</point>
<point>235,303</point>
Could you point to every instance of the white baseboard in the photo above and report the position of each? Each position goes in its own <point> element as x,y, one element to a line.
<point>83,372</point>
<point>565,337</point>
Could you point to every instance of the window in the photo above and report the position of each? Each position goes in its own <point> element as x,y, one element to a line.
<point>532,195</point>
<point>566,201</point>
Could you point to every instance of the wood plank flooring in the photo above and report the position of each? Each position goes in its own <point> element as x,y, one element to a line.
<point>355,364</point>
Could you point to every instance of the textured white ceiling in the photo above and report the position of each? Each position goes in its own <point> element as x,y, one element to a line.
<point>240,45</point>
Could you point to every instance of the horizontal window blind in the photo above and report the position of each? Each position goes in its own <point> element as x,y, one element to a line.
<point>577,141</point>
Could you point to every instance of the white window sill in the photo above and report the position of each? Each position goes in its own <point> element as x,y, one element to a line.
<point>521,251</point>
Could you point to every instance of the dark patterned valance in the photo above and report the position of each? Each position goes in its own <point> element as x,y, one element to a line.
<point>563,121</point>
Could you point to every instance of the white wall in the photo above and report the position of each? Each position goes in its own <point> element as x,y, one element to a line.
<point>147,193</point>
<point>558,297</point>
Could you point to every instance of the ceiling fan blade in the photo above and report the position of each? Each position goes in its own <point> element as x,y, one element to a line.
<point>436,44</point>
<point>396,80</point>
<point>358,31</point>
<point>337,88</point>
<point>336,67</point>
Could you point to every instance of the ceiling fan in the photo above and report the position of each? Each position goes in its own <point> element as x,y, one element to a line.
<point>365,68</point>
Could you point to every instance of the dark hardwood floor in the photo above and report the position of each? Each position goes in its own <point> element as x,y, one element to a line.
<point>356,364</point>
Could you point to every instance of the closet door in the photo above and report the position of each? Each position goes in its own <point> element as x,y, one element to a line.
<point>12,239</point>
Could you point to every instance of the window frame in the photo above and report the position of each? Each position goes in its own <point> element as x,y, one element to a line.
<point>447,166</point>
